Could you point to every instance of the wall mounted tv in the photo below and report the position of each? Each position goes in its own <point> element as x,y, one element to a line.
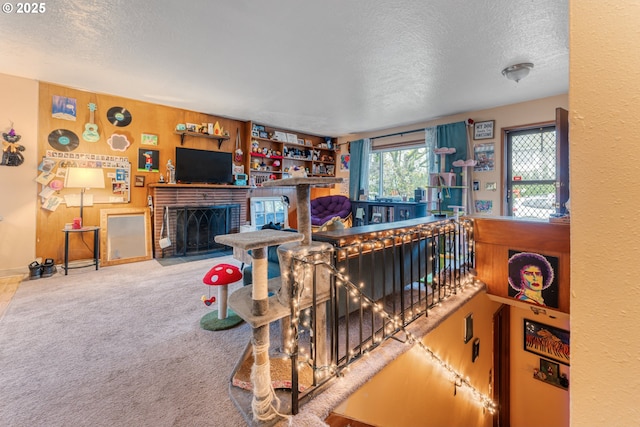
<point>203,166</point>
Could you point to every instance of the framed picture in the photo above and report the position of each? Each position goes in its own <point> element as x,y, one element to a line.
<point>263,134</point>
<point>533,278</point>
<point>547,341</point>
<point>279,136</point>
<point>63,108</point>
<point>549,373</point>
<point>125,235</point>
<point>476,185</point>
<point>468,328</point>
<point>139,181</point>
<point>149,139</point>
<point>483,130</point>
<point>259,128</point>
<point>148,160</point>
<point>550,369</point>
<point>484,157</point>
<point>491,186</point>
<point>344,162</point>
<point>484,206</point>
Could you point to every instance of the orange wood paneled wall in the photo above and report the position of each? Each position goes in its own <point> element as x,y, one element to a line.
<point>494,237</point>
<point>146,118</point>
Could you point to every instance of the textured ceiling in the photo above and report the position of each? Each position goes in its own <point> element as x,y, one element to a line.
<point>330,67</point>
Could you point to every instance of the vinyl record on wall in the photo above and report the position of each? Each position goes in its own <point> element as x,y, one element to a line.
<point>63,140</point>
<point>119,116</point>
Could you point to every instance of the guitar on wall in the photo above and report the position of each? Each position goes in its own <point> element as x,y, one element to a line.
<point>90,133</point>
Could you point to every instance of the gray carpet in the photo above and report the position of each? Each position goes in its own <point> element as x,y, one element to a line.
<point>120,346</point>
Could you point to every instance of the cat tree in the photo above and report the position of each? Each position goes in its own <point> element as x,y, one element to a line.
<point>266,301</point>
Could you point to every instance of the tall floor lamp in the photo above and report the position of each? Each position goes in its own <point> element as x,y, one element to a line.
<point>84,178</point>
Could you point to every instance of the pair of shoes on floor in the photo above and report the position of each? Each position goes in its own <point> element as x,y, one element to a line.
<point>46,269</point>
<point>35,270</point>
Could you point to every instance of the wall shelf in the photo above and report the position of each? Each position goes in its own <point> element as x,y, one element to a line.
<point>220,138</point>
<point>292,149</point>
<point>265,156</point>
<point>373,212</point>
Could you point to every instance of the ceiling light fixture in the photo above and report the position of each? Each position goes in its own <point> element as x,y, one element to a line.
<point>517,72</point>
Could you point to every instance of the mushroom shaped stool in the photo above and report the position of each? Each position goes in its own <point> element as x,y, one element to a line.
<point>221,276</point>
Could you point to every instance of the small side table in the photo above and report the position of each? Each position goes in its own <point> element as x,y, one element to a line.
<point>96,246</point>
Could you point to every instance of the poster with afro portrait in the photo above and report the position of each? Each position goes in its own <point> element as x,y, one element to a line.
<point>533,278</point>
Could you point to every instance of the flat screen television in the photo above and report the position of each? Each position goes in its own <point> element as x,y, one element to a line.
<point>203,166</point>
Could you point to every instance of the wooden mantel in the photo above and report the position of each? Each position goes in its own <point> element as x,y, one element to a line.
<point>182,185</point>
<point>192,195</point>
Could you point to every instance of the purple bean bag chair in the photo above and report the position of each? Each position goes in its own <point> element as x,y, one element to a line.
<point>327,207</point>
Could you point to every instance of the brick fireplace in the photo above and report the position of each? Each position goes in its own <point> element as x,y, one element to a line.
<point>197,213</point>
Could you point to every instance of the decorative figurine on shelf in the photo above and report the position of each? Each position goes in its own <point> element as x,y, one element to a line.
<point>298,172</point>
<point>329,143</point>
<point>241,179</point>
<point>11,151</point>
<point>171,172</point>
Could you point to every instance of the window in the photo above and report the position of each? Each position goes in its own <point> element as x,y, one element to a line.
<point>396,173</point>
<point>269,209</point>
<point>531,172</point>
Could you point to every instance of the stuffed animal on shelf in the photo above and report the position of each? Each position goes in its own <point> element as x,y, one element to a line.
<point>298,172</point>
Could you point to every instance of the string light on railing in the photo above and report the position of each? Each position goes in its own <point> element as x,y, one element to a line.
<point>394,324</point>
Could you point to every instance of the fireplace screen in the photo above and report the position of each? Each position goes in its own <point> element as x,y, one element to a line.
<point>197,227</point>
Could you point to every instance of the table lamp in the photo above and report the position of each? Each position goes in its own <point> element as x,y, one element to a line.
<point>84,178</point>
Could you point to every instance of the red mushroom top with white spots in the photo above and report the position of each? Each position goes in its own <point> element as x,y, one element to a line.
<point>222,274</point>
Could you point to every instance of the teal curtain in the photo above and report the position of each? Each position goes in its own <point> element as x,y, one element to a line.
<point>453,135</point>
<point>359,167</point>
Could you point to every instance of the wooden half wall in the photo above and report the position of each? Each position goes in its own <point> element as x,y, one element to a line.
<point>494,237</point>
<point>146,118</point>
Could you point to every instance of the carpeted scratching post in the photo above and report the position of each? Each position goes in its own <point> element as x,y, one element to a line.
<point>221,276</point>
<point>265,403</point>
<point>310,285</point>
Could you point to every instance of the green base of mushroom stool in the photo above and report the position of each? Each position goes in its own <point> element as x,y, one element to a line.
<point>210,321</point>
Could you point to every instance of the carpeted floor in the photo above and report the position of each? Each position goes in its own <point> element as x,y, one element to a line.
<point>122,346</point>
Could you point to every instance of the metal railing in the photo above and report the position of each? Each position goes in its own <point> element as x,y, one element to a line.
<point>379,283</point>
